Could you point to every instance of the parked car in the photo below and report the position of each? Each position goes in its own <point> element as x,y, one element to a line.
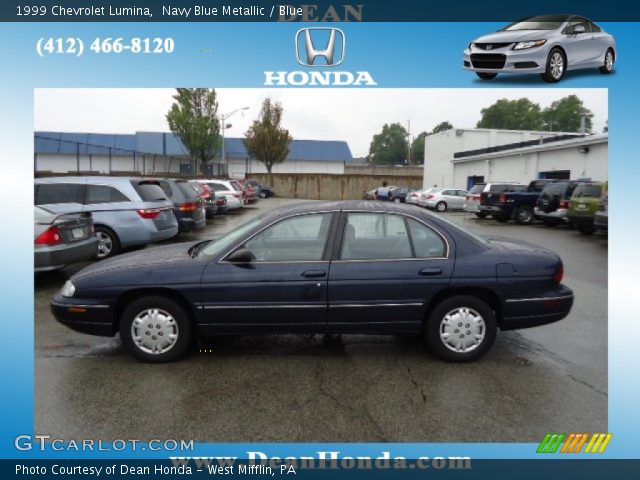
<point>492,191</point>
<point>221,203</point>
<point>62,239</point>
<point>399,194</point>
<point>126,211</point>
<point>224,187</point>
<point>472,200</point>
<point>545,44</point>
<point>250,194</point>
<point>601,220</point>
<point>514,202</point>
<point>207,196</point>
<point>264,191</point>
<point>553,204</point>
<point>188,207</point>
<point>414,196</point>
<point>333,267</point>
<point>584,204</point>
<point>443,199</point>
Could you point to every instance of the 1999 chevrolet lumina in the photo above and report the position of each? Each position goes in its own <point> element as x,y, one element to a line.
<point>335,267</point>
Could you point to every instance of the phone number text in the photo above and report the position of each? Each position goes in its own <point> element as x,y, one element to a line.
<point>76,46</point>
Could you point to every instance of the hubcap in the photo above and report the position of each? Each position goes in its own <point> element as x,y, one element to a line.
<point>105,244</point>
<point>154,331</point>
<point>557,65</point>
<point>608,61</point>
<point>525,215</point>
<point>441,207</point>
<point>462,330</point>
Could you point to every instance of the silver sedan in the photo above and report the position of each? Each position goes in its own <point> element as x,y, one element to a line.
<point>547,44</point>
<point>443,199</point>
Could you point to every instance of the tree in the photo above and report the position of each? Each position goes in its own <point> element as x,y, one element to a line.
<point>521,114</point>
<point>266,140</point>
<point>565,115</point>
<point>193,118</point>
<point>389,147</point>
<point>417,148</point>
<point>441,127</point>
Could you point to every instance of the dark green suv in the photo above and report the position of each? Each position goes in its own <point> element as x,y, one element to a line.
<point>584,204</point>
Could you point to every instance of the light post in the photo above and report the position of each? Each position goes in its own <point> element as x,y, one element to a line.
<point>224,126</point>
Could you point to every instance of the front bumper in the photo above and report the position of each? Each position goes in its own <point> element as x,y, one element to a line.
<point>535,310</point>
<point>84,316</point>
<point>56,257</point>
<point>505,60</point>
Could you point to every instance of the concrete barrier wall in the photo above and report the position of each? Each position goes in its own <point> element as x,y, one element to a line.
<point>384,170</point>
<point>332,187</point>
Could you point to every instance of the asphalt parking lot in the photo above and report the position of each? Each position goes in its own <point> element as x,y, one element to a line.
<point>293,388</point>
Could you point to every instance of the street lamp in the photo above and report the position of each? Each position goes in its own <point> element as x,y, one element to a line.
<point>224,126</point>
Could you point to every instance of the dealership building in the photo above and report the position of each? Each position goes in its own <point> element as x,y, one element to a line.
<point>152,153</point>
<point>460,158</point>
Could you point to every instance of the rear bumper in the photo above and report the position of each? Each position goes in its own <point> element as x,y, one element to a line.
<point>535,310</point>
<point>84,316</point>
<point>190,224</point>
<point>560,214</point>
<point>601,222</point>
<point>471,207</point>
<point>55,257</point>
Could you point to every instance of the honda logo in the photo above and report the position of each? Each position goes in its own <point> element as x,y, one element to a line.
<point>489,46</point>
<point>312,44</point>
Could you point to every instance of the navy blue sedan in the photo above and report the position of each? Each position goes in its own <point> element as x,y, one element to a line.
<point>336,267</point>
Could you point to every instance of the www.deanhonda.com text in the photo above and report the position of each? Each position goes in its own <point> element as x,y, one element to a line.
<point>323,459</point>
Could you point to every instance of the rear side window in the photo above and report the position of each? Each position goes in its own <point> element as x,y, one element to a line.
<point>166,188</point>
<point>587,190</point>
<point>554,188</point>
<point>104,194</point>
<point>149,191</point>
<point>218,187</point>
<point>477,188</point>
<point>55,193</point>
<point>426,242</point>
<point>375,236</point>
<point>187,190</point>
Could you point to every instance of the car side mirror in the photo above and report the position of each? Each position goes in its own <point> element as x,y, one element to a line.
<point>578,29</point>
<point>242,255</point>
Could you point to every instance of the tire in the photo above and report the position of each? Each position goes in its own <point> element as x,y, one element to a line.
<point>262,195</point>
<point>482,214</point>
<point>586,229</point>
<point>556,66</point>
<point>486,76</point>
<point>609,59</point>
<point>397,200</point>
<point>441,207</point>
<point>500,218</point>
<point>524,216</point>
<point>551,222</point>
<point>170,319</point>
<point>447,321</point>
<point>108,242</point>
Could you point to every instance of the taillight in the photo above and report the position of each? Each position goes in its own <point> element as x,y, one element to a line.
<point>468,197</point>
<point>559,275</point>
<point>564,204</point>
<point>503,198</point>
<point>149,213</point>
<point>50,236</point>
<point>189,206</point>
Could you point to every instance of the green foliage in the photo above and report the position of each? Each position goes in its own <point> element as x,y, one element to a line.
<point>266,140</point>
<point>441,127</point>
<point>390,146</point>
<point>564,115</point>
<point>193,119</point>
<point>521,114</point>
<point>417,148</point>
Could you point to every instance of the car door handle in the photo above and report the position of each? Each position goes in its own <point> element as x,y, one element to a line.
<point>314,274</point>
<point>428,271</point>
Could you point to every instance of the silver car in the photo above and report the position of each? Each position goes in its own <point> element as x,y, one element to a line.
<point>546,44</point>
<point>443,199</point>
<point>126,211</point>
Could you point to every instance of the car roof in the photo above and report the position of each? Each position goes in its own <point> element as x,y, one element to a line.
<point>93,179</point>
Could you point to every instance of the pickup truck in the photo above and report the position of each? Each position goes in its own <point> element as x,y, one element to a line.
<point>517,202</point>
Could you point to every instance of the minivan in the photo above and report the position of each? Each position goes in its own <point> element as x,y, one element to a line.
<point>187,204</point>
<point>127,211</point>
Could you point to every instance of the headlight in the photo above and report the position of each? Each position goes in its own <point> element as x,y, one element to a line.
<point>530,44</point>
<point>68,290</point>
<point>470,45</point>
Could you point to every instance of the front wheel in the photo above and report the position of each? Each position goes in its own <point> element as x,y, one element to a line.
<point>441,207</point>
<point>607,67</point>
<point>155,329</point>
<point>461,328</point>
<point>556,66</point>
<point>524,216</point>
<point>482,214</point>
<point>486,76</point>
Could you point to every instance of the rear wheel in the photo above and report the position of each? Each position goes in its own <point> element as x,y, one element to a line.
<point>486,76</point>
<point>482,214</point>
<point>607,67</point>
<point>155,329</point>
<point>441,207</point>
<point>108,243</point>
<point>524,216</point>
<point>461,328</point>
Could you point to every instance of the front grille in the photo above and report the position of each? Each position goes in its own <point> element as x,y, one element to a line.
<point>488,60</point>
<point>491,46</point>
<point>525,65</point>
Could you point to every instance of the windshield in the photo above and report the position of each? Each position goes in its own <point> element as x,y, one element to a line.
<point>477,188</point>
<point>218,245</point>
<point>543,22</point>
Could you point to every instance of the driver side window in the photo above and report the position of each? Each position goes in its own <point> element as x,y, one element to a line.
<point>300,238</point>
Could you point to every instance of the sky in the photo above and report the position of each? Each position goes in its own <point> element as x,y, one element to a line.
<point>353,115</point>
